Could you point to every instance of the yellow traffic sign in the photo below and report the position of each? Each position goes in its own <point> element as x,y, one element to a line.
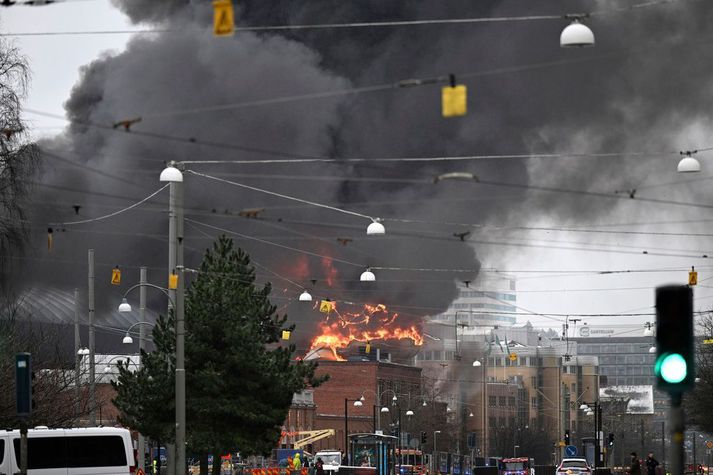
<point>709,444</point>
<point>115,276</point>
<point>692,278</point>
<point>512,357</point>
<point>223,18</point>
<point>173,281</point>
<point>286,334</point>
<point>454,101</point>
<point>326,306</point>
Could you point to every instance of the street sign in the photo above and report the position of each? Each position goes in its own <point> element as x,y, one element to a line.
<point>570,451</point>
<point>709,444</point>
<point>223,18</point>
<point>512,357</point>
<point>116,276</point>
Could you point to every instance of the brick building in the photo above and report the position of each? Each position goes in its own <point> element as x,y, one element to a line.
<point>376,382</point>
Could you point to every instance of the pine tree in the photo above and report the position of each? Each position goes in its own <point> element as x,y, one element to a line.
<point>240,379</point>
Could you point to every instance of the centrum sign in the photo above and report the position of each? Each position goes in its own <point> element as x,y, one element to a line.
<point>589,331</point>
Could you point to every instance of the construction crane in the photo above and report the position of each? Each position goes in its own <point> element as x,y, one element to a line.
<point>310,436</point>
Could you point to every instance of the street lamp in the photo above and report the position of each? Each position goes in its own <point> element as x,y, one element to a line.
<point>173,176</point>
<point>435,433</point>
<point>484,390</point>
<point>305,296</point>
<point>346,424</point>
<point>688,164</point>
<point>367,276</point>
<point>576,34</point>
<point>597,413</point>
<point>127,340</point>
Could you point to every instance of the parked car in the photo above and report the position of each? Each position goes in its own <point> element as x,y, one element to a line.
<point>574,466</point>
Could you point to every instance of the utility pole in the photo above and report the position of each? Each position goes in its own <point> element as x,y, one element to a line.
<point>141,445</point>
<point>77,344</point>
<point>663,445</point>
<point>92,363</point>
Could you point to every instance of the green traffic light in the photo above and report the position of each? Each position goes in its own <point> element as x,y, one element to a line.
<point>672,368</point>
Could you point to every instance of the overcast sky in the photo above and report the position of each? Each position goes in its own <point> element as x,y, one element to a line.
<point>56,61</point>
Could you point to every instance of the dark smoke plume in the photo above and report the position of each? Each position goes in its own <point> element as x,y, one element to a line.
<point>644,87</point>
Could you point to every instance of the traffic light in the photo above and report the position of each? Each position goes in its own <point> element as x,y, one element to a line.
<point>674,366</point>
<point>423,437</point>
<point>566,436</point>
<point>610,439</point>
<point>23,384</point>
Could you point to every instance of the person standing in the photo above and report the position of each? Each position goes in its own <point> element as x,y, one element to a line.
<point>635,467</point>
<point>651,464</point>
<point>319,466</point>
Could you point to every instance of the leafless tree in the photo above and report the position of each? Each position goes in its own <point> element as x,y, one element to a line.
<point>18,157</point>
<point>699,402</point>
<point>58,402</point>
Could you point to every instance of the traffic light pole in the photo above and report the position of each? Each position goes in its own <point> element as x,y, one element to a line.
<point>676,427</point>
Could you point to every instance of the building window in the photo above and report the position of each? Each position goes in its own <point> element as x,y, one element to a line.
<point>492,422</point>
<point>501,421</point>
<point>523,361</point>
<point>511,401</point>
<point>534,402</point>
<point>502,401</point>
<point>492,401</point>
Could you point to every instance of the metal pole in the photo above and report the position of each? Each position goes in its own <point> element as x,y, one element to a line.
<point>92,363</point>
<point>695,465</point>
<point>77,358</point>
<point>172,453</point>
<point>346,431</point>
<point>485,413</point>
<point>181,466</point>
<point>676,427</point>
<point>141,446</point>
<point>663,445</point>
<point>23,448</point>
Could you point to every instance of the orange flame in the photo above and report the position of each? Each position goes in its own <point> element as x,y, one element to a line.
<point>374,322</point>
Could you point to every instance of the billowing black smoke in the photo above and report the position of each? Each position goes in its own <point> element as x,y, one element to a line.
<point>620,96</point>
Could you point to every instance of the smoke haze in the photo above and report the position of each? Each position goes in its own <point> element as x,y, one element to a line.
<point>645,87</point>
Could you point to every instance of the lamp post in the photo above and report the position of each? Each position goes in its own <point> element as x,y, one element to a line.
<point>597,413</point>
<point>172,175</point>
<point>357,403</point>
<point>484,395</point>
<point>435,461</point>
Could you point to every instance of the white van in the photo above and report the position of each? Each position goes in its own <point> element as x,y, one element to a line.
<point>95,450</point>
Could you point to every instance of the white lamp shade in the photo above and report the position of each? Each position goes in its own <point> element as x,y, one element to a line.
<point>384,409</point>
<point>647,331</point>
<point>409,412</point>
<point>367,276</point>
<point>652,349</point>
<point>477,363</point>
<point>362,398</point>
<point>576,35</point>
<point>590,413</point>
<point>172,175</point>
<point>424,403</point>
<point>358,403</point>
<point>124,306</point>
<point>375,228</point>
<point>584,407</point>
<point>689,165</point>
<point>305,297</point>
<point>127,340</point>
<point>394,398</point>
<point>470,415</point>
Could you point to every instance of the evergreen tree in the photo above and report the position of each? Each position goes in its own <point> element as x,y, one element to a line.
<point>239,378</point>
<point>146,398</point>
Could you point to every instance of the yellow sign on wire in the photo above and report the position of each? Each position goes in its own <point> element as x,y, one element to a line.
<point>116,276</point>
<point>692,278</point>
<point>326,306</point>
<point>454,101</point>
<point>286,334</point>
<point>223,18</point>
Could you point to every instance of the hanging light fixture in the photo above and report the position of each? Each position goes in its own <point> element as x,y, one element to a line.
<point>470,415</point>
<point>367,276</point>
<point>688,164</point>
<point>576,34</point>
<point>358,403</point>
<point>477,363</point>
<point>384,409</point>
<point>409,413</point>
<point>652,349</point>
<point>124,306</point>
<point>375,228</point>
<point>127,340</point>
<point>647,329</point>
<point>424,403</point>
<point>305,296</point>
